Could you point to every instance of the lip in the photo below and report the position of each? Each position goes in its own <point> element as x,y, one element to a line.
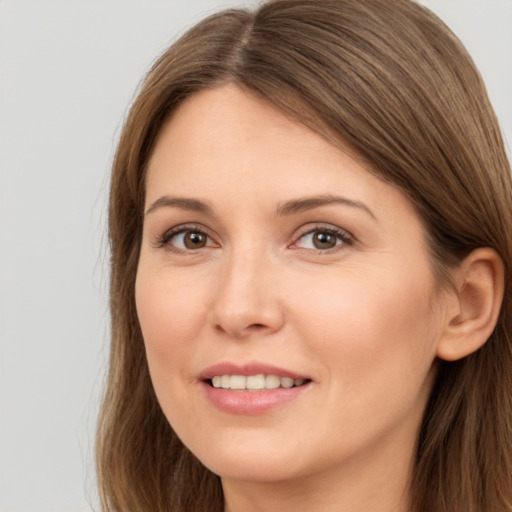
<point>250,402</point>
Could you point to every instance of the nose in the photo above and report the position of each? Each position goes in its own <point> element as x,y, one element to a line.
<point>247,301</point>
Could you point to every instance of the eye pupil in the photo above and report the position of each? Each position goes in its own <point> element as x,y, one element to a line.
<point>194,240</point>
<point>323,240</point>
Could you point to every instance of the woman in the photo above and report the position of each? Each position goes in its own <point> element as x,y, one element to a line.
<point>311,243</point>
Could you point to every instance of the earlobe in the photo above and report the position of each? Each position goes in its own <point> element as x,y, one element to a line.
<point>474,305</point>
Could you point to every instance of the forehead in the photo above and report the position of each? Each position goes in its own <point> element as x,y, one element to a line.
<point>228,144</point>
<point>229,120</point>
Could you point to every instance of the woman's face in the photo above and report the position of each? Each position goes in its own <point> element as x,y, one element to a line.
<point>271,258</point>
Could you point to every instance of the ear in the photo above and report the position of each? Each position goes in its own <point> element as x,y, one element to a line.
<point>473,306</point>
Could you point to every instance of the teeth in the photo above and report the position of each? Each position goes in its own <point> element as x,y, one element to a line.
<point>254,382</point>
<point>286,382</point>
<point>238,382</point>
<point>272,382</point>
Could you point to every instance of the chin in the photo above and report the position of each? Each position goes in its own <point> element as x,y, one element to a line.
<point>251,456</point>
<point>243,454</point>
<point>253,470</point>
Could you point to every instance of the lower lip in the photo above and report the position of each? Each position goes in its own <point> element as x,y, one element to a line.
<point>251,402</point>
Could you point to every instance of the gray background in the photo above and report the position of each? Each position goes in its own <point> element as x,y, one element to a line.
<point>68,70</point>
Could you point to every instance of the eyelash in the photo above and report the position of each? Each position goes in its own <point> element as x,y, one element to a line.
<point>343,236</point>
<point>165,239</point>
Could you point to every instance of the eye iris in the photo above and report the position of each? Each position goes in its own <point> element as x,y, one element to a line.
<point>194,240</point>
<point>323,240</point>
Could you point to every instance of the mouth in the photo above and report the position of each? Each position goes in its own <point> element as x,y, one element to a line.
<point>258,382</point>
<point>252,388</point>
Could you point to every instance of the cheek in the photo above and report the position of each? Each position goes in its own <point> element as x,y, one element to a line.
<point>375,346</point>
<point>374,327</point>
<point>170,316</point>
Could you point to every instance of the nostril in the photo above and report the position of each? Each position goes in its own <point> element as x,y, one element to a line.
<point>256,326</point>
<point>244,331</point>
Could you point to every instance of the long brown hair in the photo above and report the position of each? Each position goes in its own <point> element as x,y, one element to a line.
<point>389,81</point>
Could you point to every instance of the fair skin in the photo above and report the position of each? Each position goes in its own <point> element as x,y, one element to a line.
<point>263,246</point>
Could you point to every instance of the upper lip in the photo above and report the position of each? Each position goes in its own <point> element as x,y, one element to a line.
<point>246,369</point>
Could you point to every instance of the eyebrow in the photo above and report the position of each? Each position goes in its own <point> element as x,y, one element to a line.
<point>309,203</point>
<point>182,203</point>
<point>283,209</point>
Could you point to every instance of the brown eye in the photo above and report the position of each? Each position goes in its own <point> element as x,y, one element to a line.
<point>194,240</point>
<point>323,239</point>
<point>186,240</point>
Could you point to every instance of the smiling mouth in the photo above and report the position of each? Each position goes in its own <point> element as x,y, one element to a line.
<point>254,382</point>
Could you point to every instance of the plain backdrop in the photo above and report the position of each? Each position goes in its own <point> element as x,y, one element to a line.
<point>68,71</point>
